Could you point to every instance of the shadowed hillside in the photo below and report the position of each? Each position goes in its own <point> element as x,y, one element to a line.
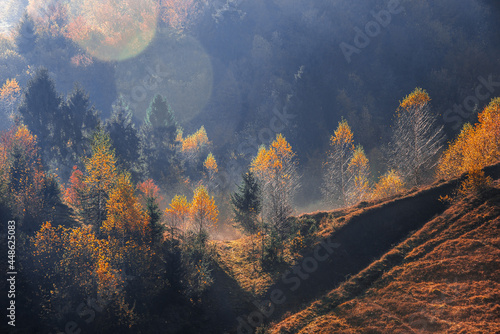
<point>364,259</point>
<point>443,278</point>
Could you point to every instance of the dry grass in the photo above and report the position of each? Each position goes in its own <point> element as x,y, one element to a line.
<point>445,278</point>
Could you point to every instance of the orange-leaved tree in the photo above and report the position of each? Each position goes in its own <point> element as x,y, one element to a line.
<point>358,169</point>
<point>416,140</point>
<point>179,14</point>
<point>211,167</point>
<point>99,179</point>
<point>204,212</point>
<point>23,173</point>
<point>389,184</point>
<point>126,220</point>
<point>177,213</point>
<point>276,170</point>
<point>475,147</point>
<point>192,145</point>
<point>72,264</point>
<point>337,176</point>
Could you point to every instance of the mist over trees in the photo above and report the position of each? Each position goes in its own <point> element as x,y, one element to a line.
<point>122,161</point>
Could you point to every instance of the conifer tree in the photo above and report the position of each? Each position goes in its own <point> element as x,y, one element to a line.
<point>150,198</point>
<point>158,134</point>
<point>79,121</point>
<point>246,204</point>
<point>41,113</point>
<point>125,138</point>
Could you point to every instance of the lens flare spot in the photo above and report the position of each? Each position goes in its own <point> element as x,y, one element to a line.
<point>175,66</point>
<point>110,29</point>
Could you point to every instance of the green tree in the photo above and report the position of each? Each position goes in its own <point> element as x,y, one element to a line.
<point>80,120</point>
<point>40,111</point>
<point>125,138</point>
<point>158,134</point>
<point>246,204</point>
<point>150,200</point>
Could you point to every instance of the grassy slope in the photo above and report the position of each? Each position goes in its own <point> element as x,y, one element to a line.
<point>443,278</point>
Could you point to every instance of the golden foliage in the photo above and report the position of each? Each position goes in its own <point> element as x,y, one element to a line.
<point>204,212</point>
<point>125,216</point>
<point>388,185</point>
<point>342,136</point>
<point>358,167</point>
<point>73,193</point>
<point>474,182</point>
<point>10,91</point>
<point>273,161</point>
<point>22,171</point>
<point>177,212</point>
<point>417,98</point>
<point>194,142</point>
<point>210,164</point>
<point>100,168</point>
<point>476,146</point>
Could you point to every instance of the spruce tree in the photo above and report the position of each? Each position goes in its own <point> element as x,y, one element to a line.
<point>41,113</point>
<point>125,138</point>
<point>158,140</point>
<point>247,203</point>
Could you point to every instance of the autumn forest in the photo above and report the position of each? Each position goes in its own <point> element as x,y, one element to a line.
<point>160,159</point>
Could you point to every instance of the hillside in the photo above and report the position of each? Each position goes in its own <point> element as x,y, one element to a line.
<point>444,278</point>
<point>410,264</point>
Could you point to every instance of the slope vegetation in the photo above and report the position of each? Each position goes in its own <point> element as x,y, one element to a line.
<point>443,278</point>
<point>409,264</point>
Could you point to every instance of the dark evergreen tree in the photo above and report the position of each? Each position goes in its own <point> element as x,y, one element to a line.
<point>79,121</point>
<point>40,110</point>
<point>246,204</point>
<point>156,228</point>
<point>125,138</point>
<point>157,146</point>
<point>26,36</point>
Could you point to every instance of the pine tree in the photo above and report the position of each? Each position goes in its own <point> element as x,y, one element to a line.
<point>79,121</point>
<point>246,204</point>
<point>150,199</point>
<point>125,138</point>
<point>26,36</point>
<point>40,111</point>
<point>157,146</point>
